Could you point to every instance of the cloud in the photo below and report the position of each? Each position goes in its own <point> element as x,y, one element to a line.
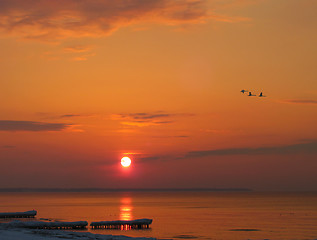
<point>299,101</point>
<point>71,52</point>
<point>181,136</point>
<point>8,146</point>
<point>78,48</point>
<point>147,115</point>
<point>143,123</point>
<point>152,158</point>
<point>144,119</point>
<point>82,57</point>
<point>310,147</point>
<point>70,115</point>
<point>171,136</point>
<point>51,116</point>
<point>10,125</point>
<point>81,52</point>
<point>217,131</point>
<point>59,19</point>
<point>300,148</point>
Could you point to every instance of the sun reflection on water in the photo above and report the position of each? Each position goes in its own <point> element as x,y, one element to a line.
<point>125,213</point>
<point>126,209</point>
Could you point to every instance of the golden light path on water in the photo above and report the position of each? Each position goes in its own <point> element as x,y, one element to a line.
<point>126,211</point>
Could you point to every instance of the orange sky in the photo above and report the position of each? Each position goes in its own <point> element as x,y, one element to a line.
<point>82,84</point>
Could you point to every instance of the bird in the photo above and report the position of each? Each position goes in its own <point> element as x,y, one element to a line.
<point>243,91</point>
<point>250,94</point>
<point>261,95</point>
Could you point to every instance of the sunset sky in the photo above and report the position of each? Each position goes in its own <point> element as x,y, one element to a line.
<point>84,83</point>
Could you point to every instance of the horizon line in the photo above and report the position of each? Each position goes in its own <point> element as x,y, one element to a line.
<point>125,189</point>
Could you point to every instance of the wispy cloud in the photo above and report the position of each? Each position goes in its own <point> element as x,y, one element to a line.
<point>83,57</point>
<point>144,119</point>
<point>46,115</point>
<point>79,52</point>
<point>8,146</point>
<point>48,20</point>
<point>10,125</point>
<point>310,147</point>
<point>71,52</point>
<point>172,136</point>
<point>78,48</point>
<point>217,131</point>
<point>300,101</point>
<point>145,116</point>
<point>70,115</point>
<point>300,148</point>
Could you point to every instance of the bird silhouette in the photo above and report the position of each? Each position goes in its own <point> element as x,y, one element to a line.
<point>251,95</point>
<point>243,91</point>
<point>261,95</point>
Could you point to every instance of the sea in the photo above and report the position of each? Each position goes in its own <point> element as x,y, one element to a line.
<point>179,214</point>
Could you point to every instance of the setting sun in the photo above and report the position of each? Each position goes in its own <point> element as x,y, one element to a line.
<point>125,162</point>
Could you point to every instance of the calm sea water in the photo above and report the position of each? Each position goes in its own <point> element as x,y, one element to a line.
<point>182,215</point>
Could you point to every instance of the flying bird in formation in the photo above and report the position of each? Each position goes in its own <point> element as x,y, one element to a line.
<point>250,93</point>
<point>261,95</point>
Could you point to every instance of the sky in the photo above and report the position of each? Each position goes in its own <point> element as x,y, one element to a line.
<point>84,83</point>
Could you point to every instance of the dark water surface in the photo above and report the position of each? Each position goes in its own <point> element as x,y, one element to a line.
<point>181,215</point>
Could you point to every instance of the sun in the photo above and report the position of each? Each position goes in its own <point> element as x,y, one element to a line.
<point>125,162</point>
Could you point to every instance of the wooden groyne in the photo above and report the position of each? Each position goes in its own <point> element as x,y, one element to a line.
<point>46,225</point>
<point>27,214</point>
<point>120,224</point>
